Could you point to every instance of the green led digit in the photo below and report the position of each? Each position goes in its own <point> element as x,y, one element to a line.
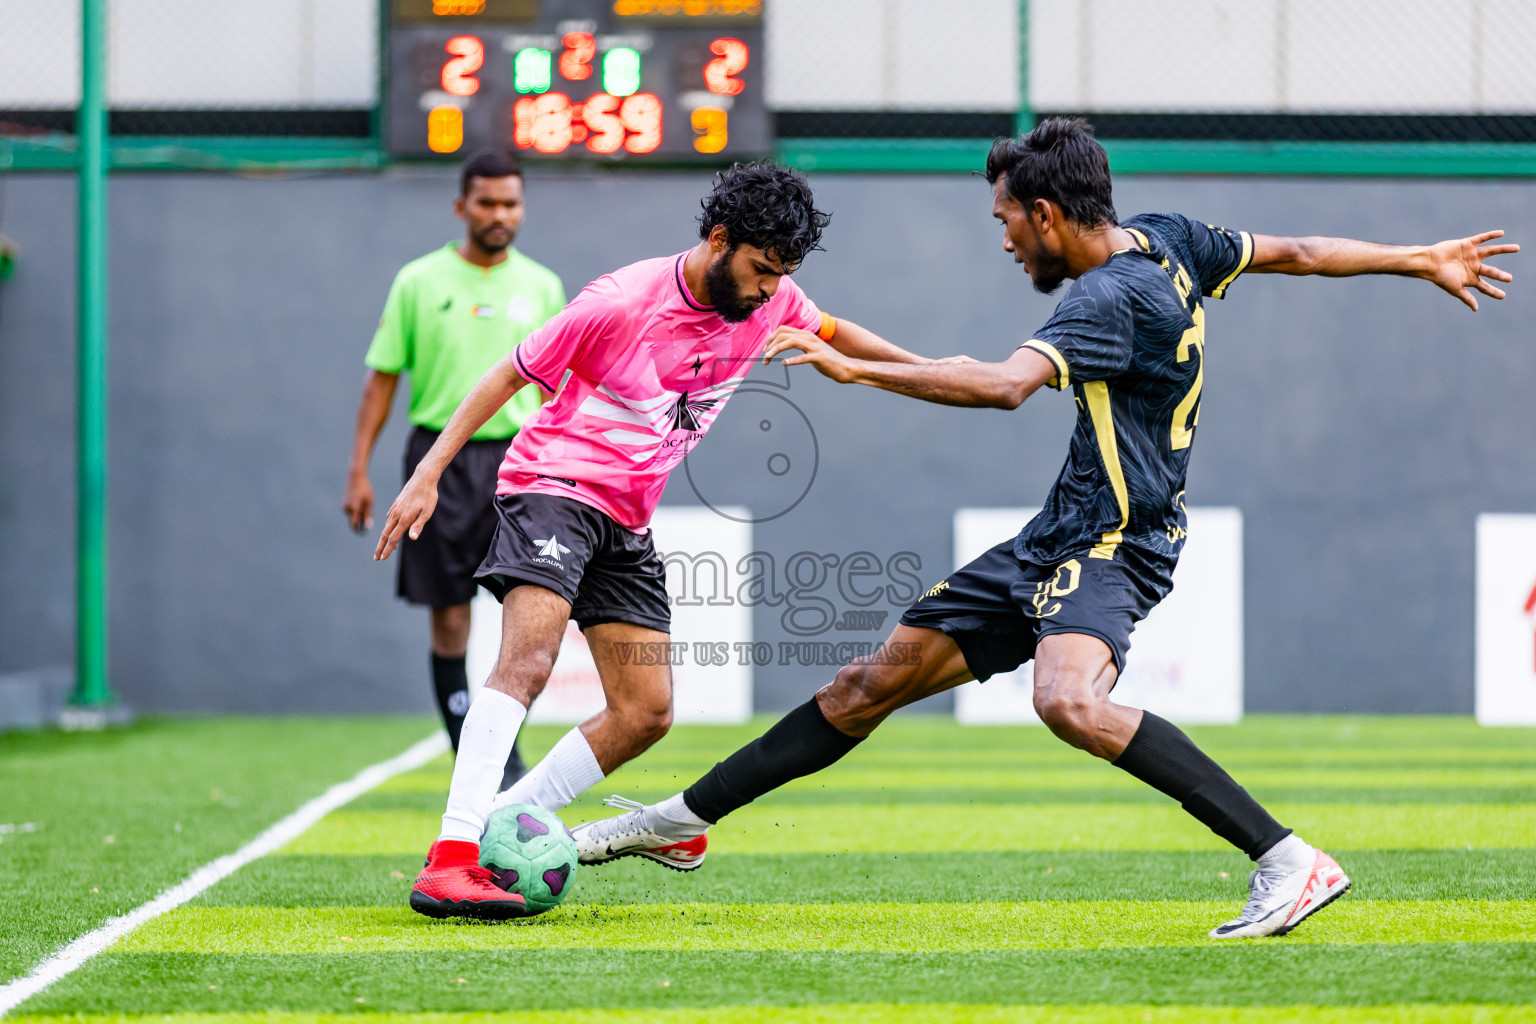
<point>621,71</point>
<point>531,70</point>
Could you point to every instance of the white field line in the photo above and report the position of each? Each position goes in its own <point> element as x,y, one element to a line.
<point>14,993</point>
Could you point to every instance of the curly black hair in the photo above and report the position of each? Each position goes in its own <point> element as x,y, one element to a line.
<point>1060,161</point>
<point>767,206</point>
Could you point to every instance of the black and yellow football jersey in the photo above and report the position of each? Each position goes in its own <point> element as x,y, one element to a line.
<point>1129,340</point>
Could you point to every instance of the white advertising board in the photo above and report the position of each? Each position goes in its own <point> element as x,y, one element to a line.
<point>1506,619</point>
<point>701,549</point>
<point>1186,660</point>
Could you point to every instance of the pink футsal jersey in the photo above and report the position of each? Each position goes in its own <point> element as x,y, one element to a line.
<point>650,369</point>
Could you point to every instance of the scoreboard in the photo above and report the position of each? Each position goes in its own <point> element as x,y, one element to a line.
<point>584,79</point>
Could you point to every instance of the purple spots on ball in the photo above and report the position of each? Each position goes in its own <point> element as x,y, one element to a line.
<point>528,826</point>
<point>505,878</point>
<point>555,878</point>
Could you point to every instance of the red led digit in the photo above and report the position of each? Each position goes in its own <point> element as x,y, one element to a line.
<point>468,54</point>
<point>543,122</point>
<point>576,58</point>
<point>641,114</point>
<point>731,58</point>
<point>600,114</point>
<point>522,122</point>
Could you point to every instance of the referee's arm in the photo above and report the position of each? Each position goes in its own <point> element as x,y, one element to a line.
<point>418,498</point>
<point>372,411</point>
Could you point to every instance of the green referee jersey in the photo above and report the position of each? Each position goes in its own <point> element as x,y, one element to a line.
<point>447,321</point>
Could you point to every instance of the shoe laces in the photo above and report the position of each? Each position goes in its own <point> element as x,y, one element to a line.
<point>481,878</point>
<point>1262,883</point>
<point>627,824</point>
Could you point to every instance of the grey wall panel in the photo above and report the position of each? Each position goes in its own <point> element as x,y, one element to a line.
<point>1360,425</point>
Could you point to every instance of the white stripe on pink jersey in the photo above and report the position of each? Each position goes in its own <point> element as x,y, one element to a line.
<point>650,369</point>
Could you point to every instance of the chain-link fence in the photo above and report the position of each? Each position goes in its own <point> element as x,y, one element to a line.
<point>185,67</point>
<point>1366,70</point>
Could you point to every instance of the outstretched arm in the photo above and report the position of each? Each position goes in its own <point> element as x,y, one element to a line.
<point>1002,385</point>
<point>856,342</point>
<point>1455,265</point>
<point>418,498</point>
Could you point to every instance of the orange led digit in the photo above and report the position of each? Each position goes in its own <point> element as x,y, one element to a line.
<point>710,125</point>
<point>467,56</point>
<point>732,57</point>
<point>445,129</point>
<point>576,59</point>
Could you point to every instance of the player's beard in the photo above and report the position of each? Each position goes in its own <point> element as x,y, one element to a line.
<point>724,295</point>
<point>495,243</point>
<point>1046,270</point>
<point>1047,273</point>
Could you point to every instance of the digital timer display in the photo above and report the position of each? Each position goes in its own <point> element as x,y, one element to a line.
<point>578,78</point>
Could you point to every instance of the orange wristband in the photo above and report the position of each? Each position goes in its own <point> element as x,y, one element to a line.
<point>828,327</point>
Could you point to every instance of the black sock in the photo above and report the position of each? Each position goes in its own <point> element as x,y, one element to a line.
<point>450,684</point>
<point>1164,758</point>
<point>800,743</point>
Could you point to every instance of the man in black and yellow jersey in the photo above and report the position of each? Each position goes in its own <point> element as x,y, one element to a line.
<point>1128,339</point>
<point>450,316</point>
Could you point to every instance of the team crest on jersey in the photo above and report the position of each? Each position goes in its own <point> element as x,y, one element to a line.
<point>685,413</point>
<point>519,309</point>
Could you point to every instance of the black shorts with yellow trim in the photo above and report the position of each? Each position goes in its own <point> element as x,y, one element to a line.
<point>997,608</point>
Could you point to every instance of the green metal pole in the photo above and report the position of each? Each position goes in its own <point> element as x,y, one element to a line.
<point>91,686</point>
<point>1026,116</point>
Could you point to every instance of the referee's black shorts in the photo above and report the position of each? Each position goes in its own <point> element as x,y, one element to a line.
<point>438,568</point>
<point>997,608</point>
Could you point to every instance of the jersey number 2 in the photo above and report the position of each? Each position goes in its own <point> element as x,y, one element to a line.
<point>1191,345</point>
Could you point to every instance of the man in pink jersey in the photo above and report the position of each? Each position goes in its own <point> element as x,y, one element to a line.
<point>639,364</point>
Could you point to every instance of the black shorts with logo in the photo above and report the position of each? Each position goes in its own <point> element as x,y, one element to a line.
<point>438,568</point>
<point>998,607</point>
<point>608,573</point>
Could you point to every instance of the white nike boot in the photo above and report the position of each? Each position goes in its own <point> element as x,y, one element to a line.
<point>1281,895</point>
<point>640,832</point>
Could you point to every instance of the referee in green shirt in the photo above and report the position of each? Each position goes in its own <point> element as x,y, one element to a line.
<point>450,315</point>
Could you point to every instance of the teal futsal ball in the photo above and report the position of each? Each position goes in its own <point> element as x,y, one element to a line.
<point>529,851</point>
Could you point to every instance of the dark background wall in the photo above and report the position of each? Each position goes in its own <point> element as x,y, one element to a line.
<point>1360,425</point>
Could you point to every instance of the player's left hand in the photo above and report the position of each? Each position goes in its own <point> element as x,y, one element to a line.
<point>813,350</point>
<point>1457,266</point>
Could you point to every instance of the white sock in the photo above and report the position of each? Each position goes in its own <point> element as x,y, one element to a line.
<point>1290,854</point>
<point>673,819</point>
<point>567,771</point>
<point>490,729</point>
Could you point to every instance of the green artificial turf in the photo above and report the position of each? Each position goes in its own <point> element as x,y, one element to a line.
<point>122,814</point>
<point>940,874</point>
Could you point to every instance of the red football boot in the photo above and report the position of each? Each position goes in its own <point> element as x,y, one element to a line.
<point>453,884</point>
